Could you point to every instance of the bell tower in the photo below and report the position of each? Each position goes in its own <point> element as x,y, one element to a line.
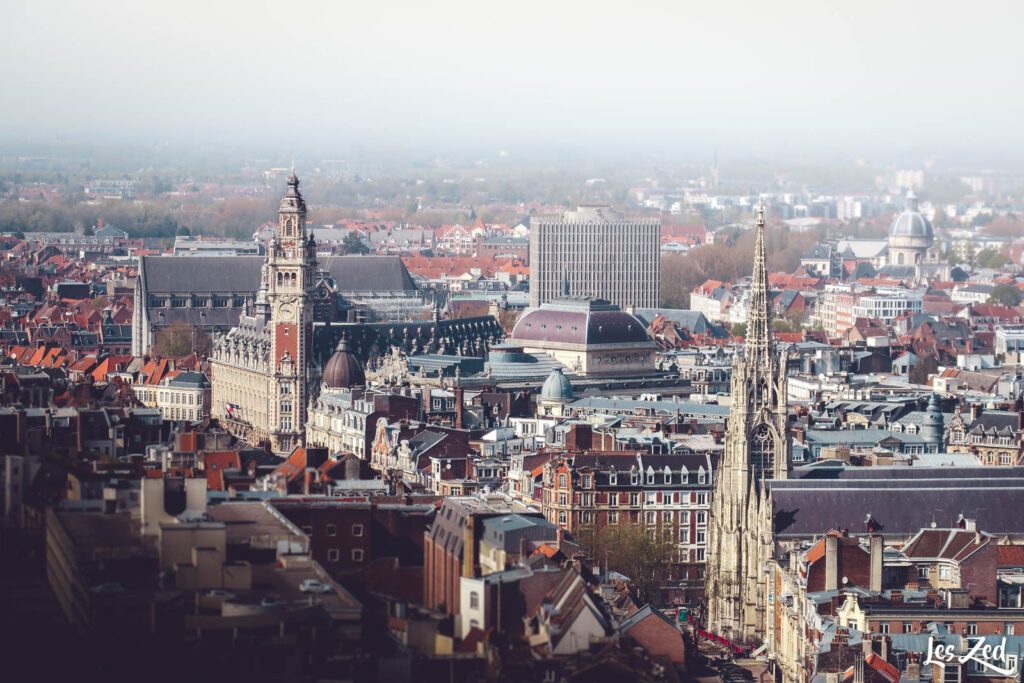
<point>290,268</point>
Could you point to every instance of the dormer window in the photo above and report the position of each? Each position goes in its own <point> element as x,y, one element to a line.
<point>650,476</point>
<point>613,478</point>
<point>634,476</point>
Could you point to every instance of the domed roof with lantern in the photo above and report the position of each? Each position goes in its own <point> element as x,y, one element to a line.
<point>911,223</point>
<point>556,387</point>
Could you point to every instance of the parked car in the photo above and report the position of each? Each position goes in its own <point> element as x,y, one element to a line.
<point>313,586</point>
<point>222,594</point>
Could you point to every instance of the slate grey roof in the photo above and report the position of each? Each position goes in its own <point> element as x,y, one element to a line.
<point>978,289</point>
<point>431,362</point>
<point>864,269</point>
<point>694,321</point>
<point>819,252</point>
<point>220,317</point>
<point>425,440</point>
<point>902,500</point>
<point>504,532</point>
<point>520,366</point>
<point>190,380</point>
<point>601,403</point>
<point>996,419</point>
<point>113,332</point>
<point>242,273</point>
<point>856,437</point>
<point>917,417</point>
<point>897,271</point>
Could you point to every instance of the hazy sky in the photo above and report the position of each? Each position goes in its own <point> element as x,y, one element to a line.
<point>758,75</point>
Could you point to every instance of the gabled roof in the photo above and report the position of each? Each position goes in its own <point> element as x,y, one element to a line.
<point>641,614</point>
<point>945,544</point>
<point>294,466</point>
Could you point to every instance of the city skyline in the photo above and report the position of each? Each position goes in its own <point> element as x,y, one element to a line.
<point>653,342</point>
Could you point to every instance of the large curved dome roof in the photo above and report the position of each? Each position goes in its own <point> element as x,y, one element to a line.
<point>911,223</point>
<point>579,320</point>
<point>343,369</point>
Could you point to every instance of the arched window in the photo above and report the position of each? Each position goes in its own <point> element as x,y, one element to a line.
<point>562,481</point>
<point>762,451</point>
<point>280,278</point>
<point>900,257</point>
<point>289,227</point>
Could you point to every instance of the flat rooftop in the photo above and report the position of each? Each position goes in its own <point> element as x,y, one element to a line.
<point>244,521</point>
<point>99,536</point>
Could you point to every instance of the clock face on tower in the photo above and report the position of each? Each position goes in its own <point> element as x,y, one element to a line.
<point>286,311</point>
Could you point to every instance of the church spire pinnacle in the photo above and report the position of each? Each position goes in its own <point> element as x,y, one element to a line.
<point>759,327</point>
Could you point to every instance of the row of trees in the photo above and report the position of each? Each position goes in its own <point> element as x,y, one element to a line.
<point>182,339</point>
<point>237,217</point>
<point>642,555</point>
<point>986,258</point>
<point>681,273</point>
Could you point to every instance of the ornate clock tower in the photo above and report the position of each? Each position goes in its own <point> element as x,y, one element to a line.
<point>291,265</point>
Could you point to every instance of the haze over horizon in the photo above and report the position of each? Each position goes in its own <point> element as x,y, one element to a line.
<point>789,78</point>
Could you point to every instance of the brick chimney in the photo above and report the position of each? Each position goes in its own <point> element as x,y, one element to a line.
<point>831,562</point>
<point>876,563</point>
<point>459,392</point>
<point>425,401</point>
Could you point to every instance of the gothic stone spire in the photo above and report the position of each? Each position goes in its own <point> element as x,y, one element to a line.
<point>759,330</point>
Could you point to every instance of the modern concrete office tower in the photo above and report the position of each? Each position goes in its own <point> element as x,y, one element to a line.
<point>599,252</point>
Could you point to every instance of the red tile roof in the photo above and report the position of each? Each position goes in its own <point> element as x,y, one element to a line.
<point>1010,555</point>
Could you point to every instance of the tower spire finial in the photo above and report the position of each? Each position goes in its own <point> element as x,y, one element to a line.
<point>759,327</point>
